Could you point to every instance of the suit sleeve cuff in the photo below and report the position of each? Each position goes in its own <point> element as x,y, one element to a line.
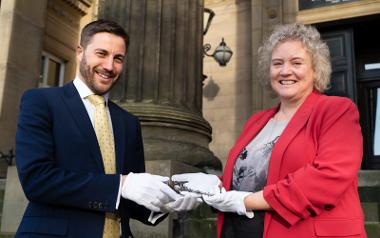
<point>271,198</point>
<point>154,216</point>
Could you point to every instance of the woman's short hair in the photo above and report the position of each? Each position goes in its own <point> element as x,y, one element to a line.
<point>311,39</point>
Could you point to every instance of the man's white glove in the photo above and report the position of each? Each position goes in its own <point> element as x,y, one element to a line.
<point>148,190</point>
<point>198,183</point>
<point>186,202</point>
<point>231,201</point>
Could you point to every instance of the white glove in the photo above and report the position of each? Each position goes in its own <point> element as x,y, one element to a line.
<point>199,182</point>
<point>148,190</point>
<point>186,202</point>
<point>231,201</point>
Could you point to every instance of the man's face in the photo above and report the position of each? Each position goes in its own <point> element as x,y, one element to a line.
<point>101,61</point>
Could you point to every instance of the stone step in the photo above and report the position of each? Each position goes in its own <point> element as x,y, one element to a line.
<point>371,211</point>
<point>199,228</point>
<point>369,178</point>
<point>372,229</point>
<point>6,235</point>
<point>200,222</point>
<point>369,192</point>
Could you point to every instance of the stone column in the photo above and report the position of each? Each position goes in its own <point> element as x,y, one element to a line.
<point>162,85</point>
<point>266,14</point>
<point>21,25</point>
<point>22,30</point>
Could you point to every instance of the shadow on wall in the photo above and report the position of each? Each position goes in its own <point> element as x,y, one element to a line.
<point>211,89</point>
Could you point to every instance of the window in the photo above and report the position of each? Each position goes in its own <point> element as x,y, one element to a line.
<point>52,71</point>
<point>369,106</point>
<point>376,140</point>
<point>368,90</point>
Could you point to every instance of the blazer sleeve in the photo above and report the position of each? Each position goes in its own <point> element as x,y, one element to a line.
<point>42,178</point>
<point>320,184</point>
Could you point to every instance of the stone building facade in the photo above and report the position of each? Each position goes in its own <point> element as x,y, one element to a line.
<point>38,50</point>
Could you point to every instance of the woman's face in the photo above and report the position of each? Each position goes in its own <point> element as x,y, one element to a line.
<point>291,72</point>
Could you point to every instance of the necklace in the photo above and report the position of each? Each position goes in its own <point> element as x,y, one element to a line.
<point>268,145</point>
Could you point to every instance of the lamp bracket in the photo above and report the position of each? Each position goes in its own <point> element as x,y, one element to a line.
<point>210,16</point>
<point>206,48</point>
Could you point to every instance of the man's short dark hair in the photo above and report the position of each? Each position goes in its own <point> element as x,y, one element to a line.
<point>99,26</point>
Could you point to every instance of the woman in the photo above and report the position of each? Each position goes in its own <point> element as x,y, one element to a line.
<point>294,166</point>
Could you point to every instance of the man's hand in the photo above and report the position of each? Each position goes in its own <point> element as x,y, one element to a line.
<point>231,201</point>
<point>148,190</point>
<point>197,183</point>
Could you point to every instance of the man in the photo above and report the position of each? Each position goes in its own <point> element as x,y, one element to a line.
<point>80,157</point>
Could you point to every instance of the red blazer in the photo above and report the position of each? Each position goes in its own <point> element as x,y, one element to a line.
<point>312,182</point>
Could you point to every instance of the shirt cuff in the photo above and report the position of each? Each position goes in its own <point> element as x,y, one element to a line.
<point>119,194</point>
<point>249,214</point>
<point>154,216</point>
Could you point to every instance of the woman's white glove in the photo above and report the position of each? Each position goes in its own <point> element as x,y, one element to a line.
<point>198,183</point>
<point>186,202</point>
<point>149,191</point>
<point>231,201</point>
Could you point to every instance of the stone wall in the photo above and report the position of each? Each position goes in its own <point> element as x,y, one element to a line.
<point>227,90</point>
<point>232,93</point>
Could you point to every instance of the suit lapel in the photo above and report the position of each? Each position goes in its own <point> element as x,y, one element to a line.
<point>118,132</point>
<point>78,111</point>
<point>297,122</point>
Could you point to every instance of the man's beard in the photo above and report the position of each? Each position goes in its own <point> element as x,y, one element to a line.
<point>88,76</point>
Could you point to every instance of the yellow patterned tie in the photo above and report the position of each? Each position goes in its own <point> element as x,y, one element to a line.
<point>107,149</point>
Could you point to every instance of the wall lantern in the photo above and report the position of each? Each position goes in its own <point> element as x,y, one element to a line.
<point>222,53</point>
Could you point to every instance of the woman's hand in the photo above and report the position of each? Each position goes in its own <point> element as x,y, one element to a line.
<point>231,201</point>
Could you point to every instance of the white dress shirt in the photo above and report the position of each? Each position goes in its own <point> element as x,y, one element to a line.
<point>84,91</point>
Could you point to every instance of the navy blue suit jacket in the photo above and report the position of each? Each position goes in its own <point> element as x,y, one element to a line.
<point>61,170</point>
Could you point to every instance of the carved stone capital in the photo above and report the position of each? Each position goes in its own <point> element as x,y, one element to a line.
<point>80,5</point>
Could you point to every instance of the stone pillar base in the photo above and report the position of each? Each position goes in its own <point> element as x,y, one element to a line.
<point>200,222</point>
<point>14,204</point>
